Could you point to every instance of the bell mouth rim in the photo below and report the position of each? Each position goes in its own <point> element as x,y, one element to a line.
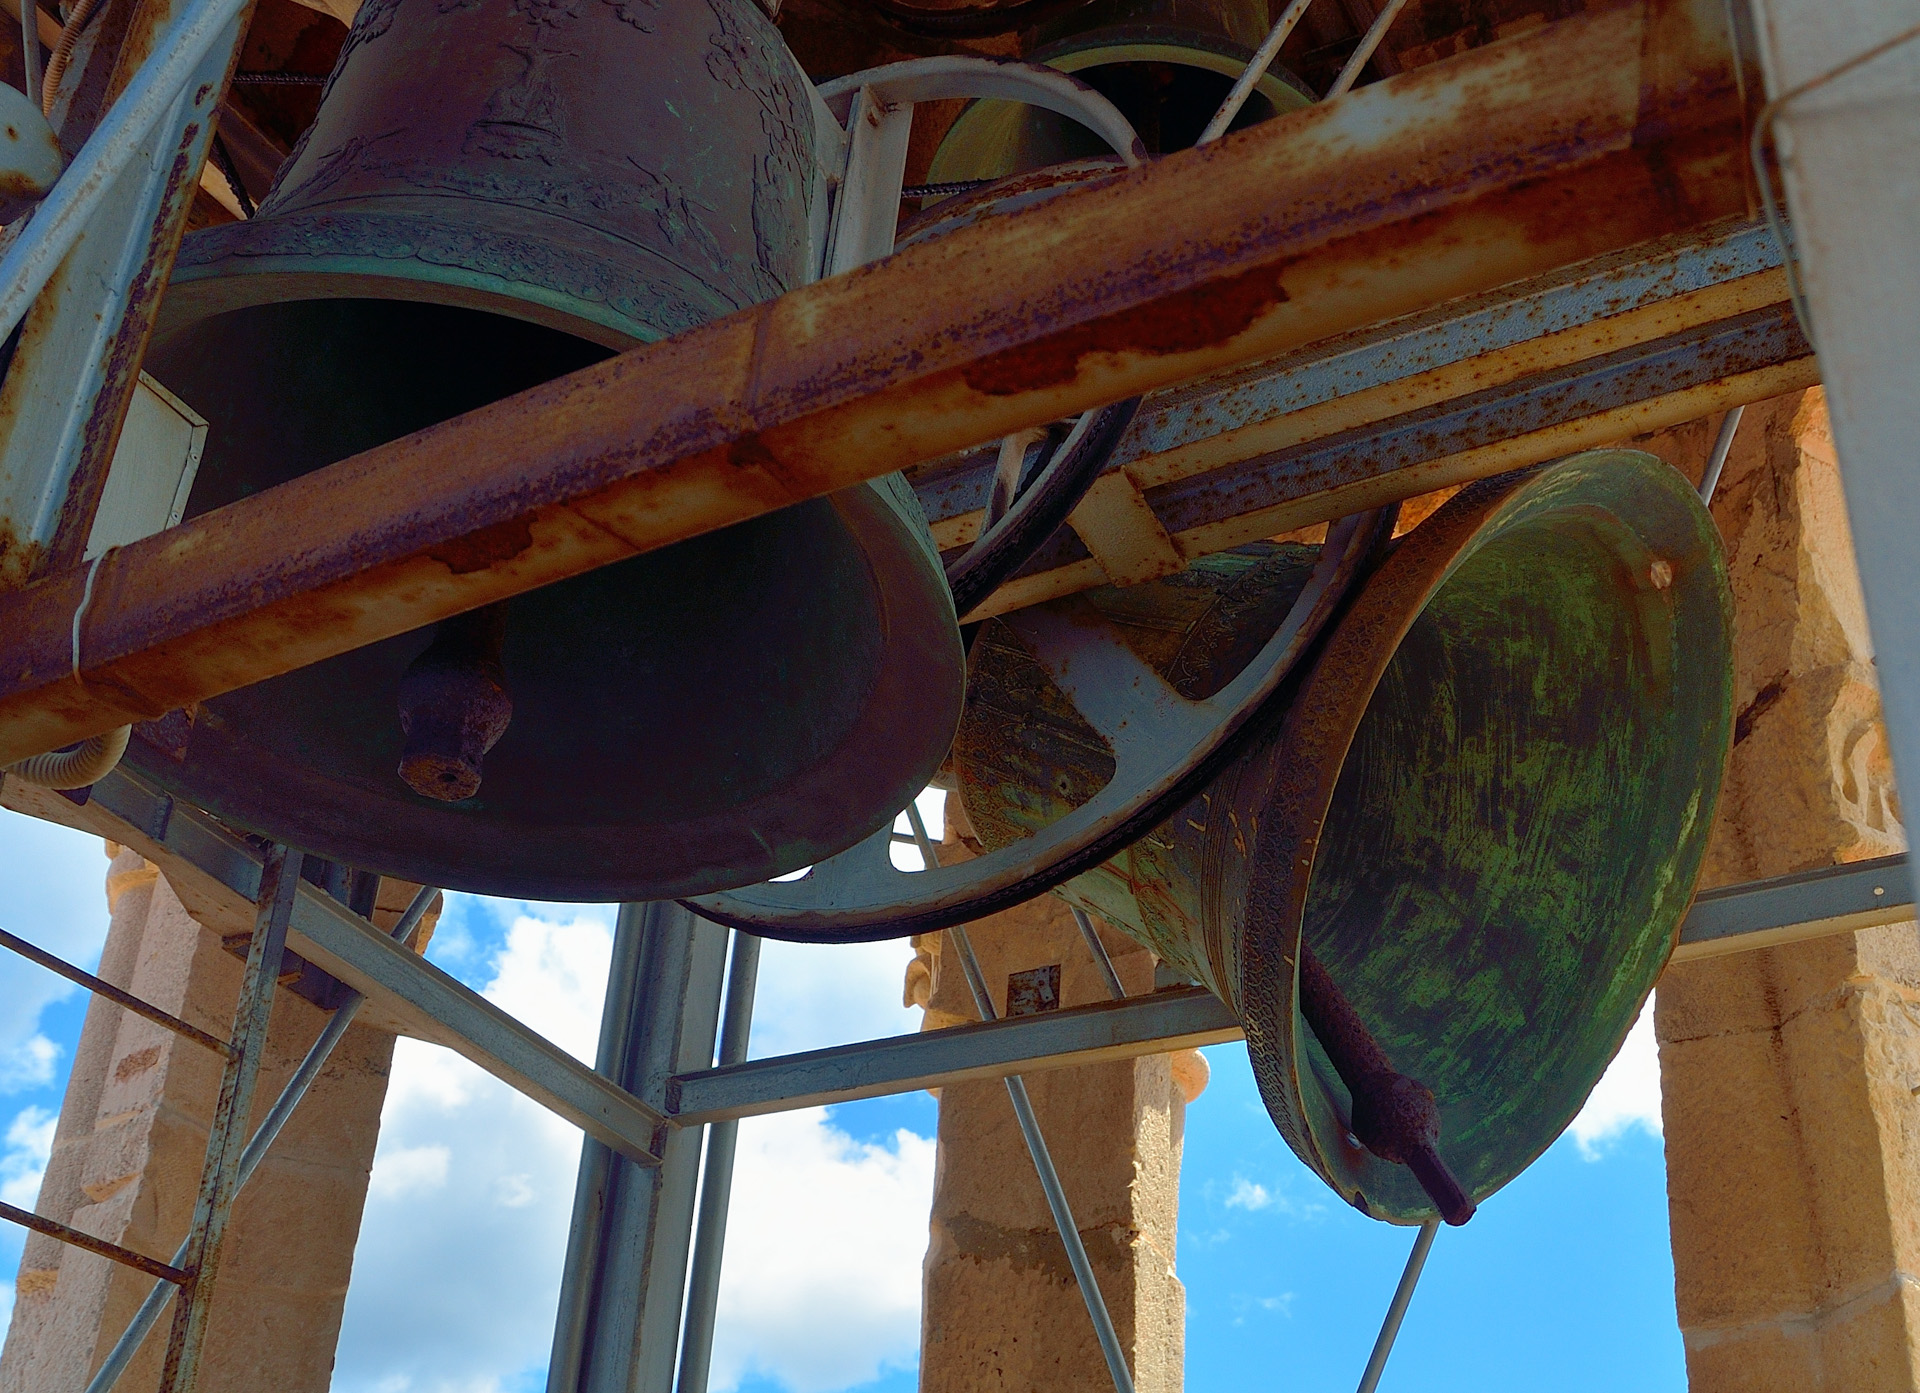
<point>1333,702</point>
<point>1282,91</point>
<point>259,261</point>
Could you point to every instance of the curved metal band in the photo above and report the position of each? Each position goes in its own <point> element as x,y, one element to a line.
<point>1165,747</point>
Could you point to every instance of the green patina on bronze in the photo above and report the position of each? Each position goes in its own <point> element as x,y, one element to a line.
<point>1486,805</point>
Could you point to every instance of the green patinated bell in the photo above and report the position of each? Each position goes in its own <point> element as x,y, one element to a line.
<point>1167,64</point>
<point>495,193</point>
<point>1482,811</point>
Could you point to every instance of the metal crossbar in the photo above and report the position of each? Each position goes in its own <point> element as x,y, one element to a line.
<point>53,1228</point>
<point>144,1319</point>
<point>113,993</point>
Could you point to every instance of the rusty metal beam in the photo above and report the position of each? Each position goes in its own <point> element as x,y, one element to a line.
<point>1625,343</point>
<point>1593,134</point>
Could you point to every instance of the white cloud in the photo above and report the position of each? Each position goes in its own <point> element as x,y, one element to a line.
<point>1248,1195</point>
<point>29,1145</point>
<point>458,1268</point>
<point>1627,1096</point>
<point>408,1171</point>
<point>52,894</point>
<point>457,1272</point>
<point>28,1064</point>
<point>821,1285</point>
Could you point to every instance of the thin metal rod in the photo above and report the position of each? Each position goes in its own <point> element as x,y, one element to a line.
<point>30,47</point>
<point>144,1319</point>
<point>1255,70</point>
<point>1036,1144</point>
<point>123,136</point>
<point>1369,43</point>
<point>716,1182</point>
<point>279,884</point>
<point>1397,1308</point>
<point>1049,1179</point>
<point>1722,444</point>
<point>1099,952</point>
<point>112,993</point>
<point>52,1228</point>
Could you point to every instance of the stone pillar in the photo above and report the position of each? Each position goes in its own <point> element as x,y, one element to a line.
<point>127,1157</point>
<point>1790,1074</point>
<point>1001,1312</point>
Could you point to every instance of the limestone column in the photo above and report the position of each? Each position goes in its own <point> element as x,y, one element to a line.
<point>1790,1074</point>
<point>127,1156</point>
<point>1001,1312</point>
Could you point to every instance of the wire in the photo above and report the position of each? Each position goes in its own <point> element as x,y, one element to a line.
<point>1756,153</point>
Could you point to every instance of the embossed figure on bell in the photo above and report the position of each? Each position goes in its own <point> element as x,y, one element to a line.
<point>496,193</point>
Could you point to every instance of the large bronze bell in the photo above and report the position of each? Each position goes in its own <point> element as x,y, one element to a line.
<point>497,192</point>
<point>1167,64</point>
<point>1440,887</point>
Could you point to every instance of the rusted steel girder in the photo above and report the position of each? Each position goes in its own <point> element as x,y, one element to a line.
<point>1592,134</point>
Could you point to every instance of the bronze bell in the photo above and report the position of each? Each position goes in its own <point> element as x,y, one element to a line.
<point>497,192</point>
<point>1438,890</point>
<point>1167,64</point>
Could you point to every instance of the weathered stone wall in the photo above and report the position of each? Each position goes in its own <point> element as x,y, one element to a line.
<point>1790,1074</point>
<point>1001,1309</point>
<point>127,1158</point>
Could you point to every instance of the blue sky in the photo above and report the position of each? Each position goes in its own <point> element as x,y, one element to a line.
<point>1562,1280</point>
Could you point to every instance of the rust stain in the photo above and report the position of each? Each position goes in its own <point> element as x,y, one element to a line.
<point>750,452</point>
<point>136,1063</point>
<point>477,551</point>
<point>1206,316</point>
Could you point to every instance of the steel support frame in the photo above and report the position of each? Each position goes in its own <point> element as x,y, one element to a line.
<point>1843,117</point>
<point>122,207</point>
<point>624,1284</point>
<point>658,1086</point>
<point>1584,137</point>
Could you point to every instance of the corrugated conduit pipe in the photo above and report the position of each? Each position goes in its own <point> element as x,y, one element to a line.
<point>70,32</point>
<point>76,766</point>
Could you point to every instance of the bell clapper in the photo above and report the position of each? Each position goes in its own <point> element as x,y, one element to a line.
<point>454,705</point>
<point>1394,1116</point>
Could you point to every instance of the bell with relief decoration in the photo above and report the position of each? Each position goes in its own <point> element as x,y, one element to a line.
<point>495,193</point>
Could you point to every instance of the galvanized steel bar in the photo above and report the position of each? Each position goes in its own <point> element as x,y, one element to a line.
<point>1050,1186</point>
<point>1843,117</point>
<point>1183,1018</point>
<point>1578,140</point>
<point>219,1180</point>
<point>624,1284</point>
<point>1722,446</point>
<point>1098,950</point>
<point>215,872</point>
<point>1789,908</point>
<point>315,1059</point>
<point>126,135</point>
<point>1397,1308</point>
<point>94,257</point>
<point>716,1179</point>
<point>166,1020</point>
<point>1036,1140</point>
